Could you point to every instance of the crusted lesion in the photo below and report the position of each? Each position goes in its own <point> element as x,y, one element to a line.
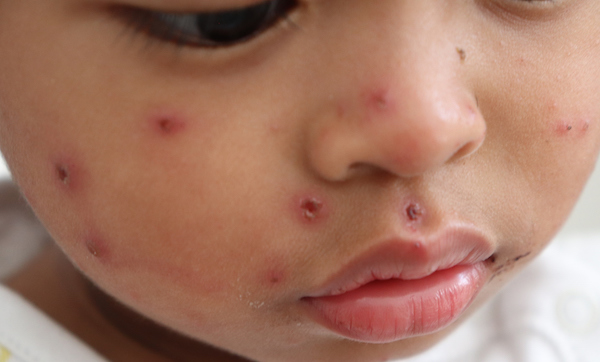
<point>462,54</point>
<point>91,247</point>
<point>311,208</point>
<point>414,212</point>
<point>63,173</point>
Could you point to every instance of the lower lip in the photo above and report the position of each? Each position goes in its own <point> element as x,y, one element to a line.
<point>391,310</point>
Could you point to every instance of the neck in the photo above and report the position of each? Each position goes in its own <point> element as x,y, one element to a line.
<point>109,327</point>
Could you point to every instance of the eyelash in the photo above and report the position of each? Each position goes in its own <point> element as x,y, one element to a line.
<point>209,29</point>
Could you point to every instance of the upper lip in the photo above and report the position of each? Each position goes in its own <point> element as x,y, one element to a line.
<point>406,259</point>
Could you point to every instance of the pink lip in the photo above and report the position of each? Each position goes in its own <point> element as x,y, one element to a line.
<point>401,289</point>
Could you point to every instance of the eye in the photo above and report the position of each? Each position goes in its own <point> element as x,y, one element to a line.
<point>210,29</point>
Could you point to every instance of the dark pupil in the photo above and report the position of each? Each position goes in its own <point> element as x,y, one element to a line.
<point>235,25</point>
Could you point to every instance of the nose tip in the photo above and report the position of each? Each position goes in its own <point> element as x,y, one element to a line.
<point>404,139</point>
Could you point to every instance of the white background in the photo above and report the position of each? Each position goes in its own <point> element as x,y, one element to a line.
<point>584,219</point>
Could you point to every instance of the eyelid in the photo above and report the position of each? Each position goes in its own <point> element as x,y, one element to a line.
<point>188,6</point>
<point>181,28</point>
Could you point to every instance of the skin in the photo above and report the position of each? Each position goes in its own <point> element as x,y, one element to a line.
<point>210,190</point>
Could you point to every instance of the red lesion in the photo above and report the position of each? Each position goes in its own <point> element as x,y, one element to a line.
<point>311,208</point>
<point>379,103</point>
<point>414,212</point>
<point>571,128</point>
<point>379,100</point>
<point>63,173</point>
<point>97,247</point>
<point>169,125</point>
<point>68,173</point>
<point>275,276</point>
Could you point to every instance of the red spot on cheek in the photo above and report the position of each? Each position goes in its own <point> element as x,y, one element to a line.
<point>311,208</point>
<point>97,248</point>
<point>63,174</point>
<point>563,128</point>
<point>276,270</point>
<point>170,126</point>
<point>572,128</point>
<point>275,276</point>
<point>167,124</point>
<point>67,174</point>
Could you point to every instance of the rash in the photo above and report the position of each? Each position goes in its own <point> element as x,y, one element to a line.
<point>414,212</point>
<point>575,128</point>
<point>97,248</point>
<point>67,174</point>
<point>379,101</point>
<point>166,124</point>
<point>63,174</point>
<point>379,104</point>
<point>310,209</point>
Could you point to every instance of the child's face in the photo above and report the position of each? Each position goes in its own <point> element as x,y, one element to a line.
<point>218,191</point>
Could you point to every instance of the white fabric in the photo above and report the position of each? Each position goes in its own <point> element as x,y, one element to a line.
<point>27,335</point>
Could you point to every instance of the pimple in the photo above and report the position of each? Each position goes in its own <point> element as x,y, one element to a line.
<point>167,123</point>
<point>379,101</point>
<point>63,174</point>
<point>97,248</point>
<point>168,126</point>
<point>67,174</point>
<point>275,276</point>
<point>275,270</point>
<point>414,212</point>
<point>310,209</point>
<point>565,128</point>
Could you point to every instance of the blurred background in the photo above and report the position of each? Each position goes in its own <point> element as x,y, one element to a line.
<point>584,219</point>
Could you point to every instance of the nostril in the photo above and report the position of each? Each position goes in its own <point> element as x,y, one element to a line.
<point>469,148</point>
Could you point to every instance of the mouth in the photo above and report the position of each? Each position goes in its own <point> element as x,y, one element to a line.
<point>401,289</point>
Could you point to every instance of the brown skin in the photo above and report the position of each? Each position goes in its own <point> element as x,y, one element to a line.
<point>209,191</point>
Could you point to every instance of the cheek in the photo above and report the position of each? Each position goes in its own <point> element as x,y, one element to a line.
<point>563,158</point>
<point>574,129</point>
<point>70,176</point>
<point>167,124</point>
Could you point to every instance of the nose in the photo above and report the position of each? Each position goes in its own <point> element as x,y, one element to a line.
<point>410,110</point>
